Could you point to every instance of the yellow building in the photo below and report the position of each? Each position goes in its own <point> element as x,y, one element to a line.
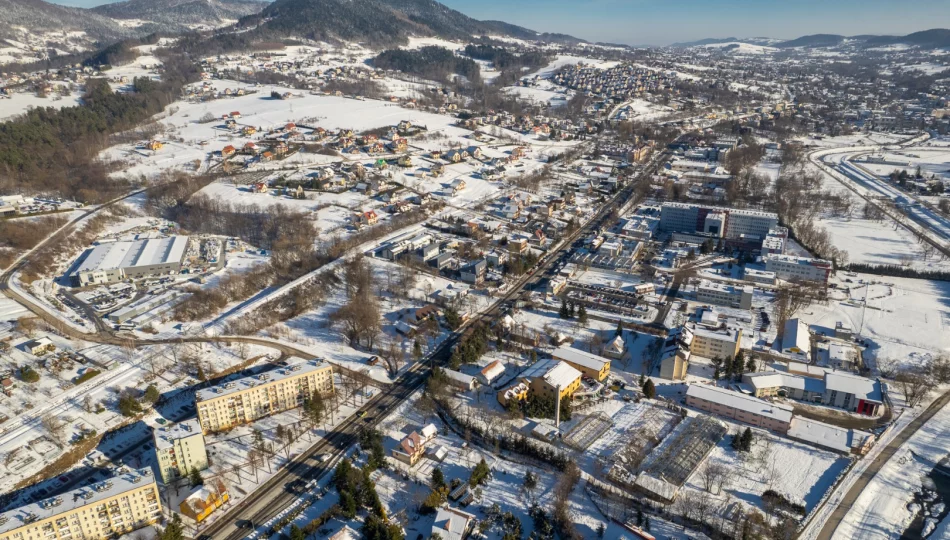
<point>245,400</point>
<point>719,343</point>
<point>515,392</point>
<point>178,449</point>
<point>204,500</point>
<point>106,509</point>
<point>544,377</point>
<point>591,365</point>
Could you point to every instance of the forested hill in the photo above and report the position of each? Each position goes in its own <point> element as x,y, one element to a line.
<point>377,22</point>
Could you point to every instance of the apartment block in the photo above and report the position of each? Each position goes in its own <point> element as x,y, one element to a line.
<point>238,402</point>
<point>724,295</point>
<point>106,509</point>
<point>791,268</point>
<point>723,343</point>
<point>179,449</point>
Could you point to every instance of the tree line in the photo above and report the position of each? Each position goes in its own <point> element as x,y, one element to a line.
<point>431,62</point>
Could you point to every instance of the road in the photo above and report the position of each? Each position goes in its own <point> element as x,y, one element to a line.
<point>271,498</point>
<point>847,502</point>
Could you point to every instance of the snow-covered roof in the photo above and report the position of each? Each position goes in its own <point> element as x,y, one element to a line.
<point>166,436</point>
<point>459,377</point>
<point>291,370</point>
<point>784,380</point>
<point>581,358</point>
<point>739,401</point>
<point>554,372</point>
<point>493,370</point>
<point>796,336</point>
<point>77,498</point>
<point>133,254</point>
<point>849,383</point>
<point>451,523</point>
<point>825,435</point>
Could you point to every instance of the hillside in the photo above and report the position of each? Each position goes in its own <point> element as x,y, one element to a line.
<point>814,40</point>
<point>938,38</point>
<point>379,22</point>
<point>39,17</point>
<point>182,14</point>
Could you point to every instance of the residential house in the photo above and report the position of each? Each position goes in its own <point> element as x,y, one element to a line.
<point>410,450</point>
<point>204,499</point>
<point>491,372</point>
<point>452,523</point>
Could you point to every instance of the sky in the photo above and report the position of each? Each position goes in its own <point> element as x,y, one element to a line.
<point>652,22</point>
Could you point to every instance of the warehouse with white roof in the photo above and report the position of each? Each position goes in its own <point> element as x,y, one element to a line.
<point>119,261</point>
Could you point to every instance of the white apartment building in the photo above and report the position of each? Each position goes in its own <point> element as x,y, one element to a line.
<point>722,343</point>
<point>245,400</point>
<point>722,222</point>
<point>721,294</point>
<point>791,268</point>
<point>179,449</point>
<point>106,509</point>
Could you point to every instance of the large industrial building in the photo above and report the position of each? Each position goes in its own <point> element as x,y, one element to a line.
<point>717,222</point>
<point>238,402</point>
<point>179,449</point>
<point>118,261</point>
<point>107,509</point>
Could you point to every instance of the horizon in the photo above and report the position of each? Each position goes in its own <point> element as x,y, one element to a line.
<point>634,22</point>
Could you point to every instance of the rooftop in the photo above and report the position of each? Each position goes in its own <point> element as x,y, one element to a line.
<point>581,358</point>
<point>166,436</point>
<point>861,387</point>
<point>554,372</point>
<point>739,401</point>
<point>274,375</point>
<point>77,498</point>
<point>804,261</point>
<point>132,254</point>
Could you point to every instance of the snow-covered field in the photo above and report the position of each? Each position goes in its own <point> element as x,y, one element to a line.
<point>906,320</point>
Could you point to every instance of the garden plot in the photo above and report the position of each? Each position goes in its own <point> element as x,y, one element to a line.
<point>800,472</point>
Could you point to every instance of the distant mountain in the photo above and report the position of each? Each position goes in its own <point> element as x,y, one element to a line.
<point>39,17</point>
<point>938,38</point>
<point>718,41</point>
<point>814,40</point>
<point>379,22</point>
<point>174,15</point>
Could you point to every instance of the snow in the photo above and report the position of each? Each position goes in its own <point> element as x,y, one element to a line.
<point>881,511</point>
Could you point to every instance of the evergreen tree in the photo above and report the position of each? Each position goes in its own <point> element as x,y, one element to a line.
<point>642,380</point>
<point>201,374</point>
<point>348,504</point>
<point>564,312</point>
<point>417,349</point>
<point>573,312</point>
<point>649,389</point>
<point>639,517</point>
<point>534,356</point>
<point>747,440</point>
<point>296,533</point>
<point>195,477</point>
<point>174,530</point>
<point>152,394</point>
<point>438,479</point>
<point>736,442</point>
<point>601,529</point>
<point>582,315</point>
<point>750,365</point>
<point>619,331</point>
<point>716,374</point>
<point>646,524</point>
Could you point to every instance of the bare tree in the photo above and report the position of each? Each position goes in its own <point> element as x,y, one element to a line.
<point>915,384</point>
<point>711,475</point>
<point>27,325</point>
<point>55,426</point>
